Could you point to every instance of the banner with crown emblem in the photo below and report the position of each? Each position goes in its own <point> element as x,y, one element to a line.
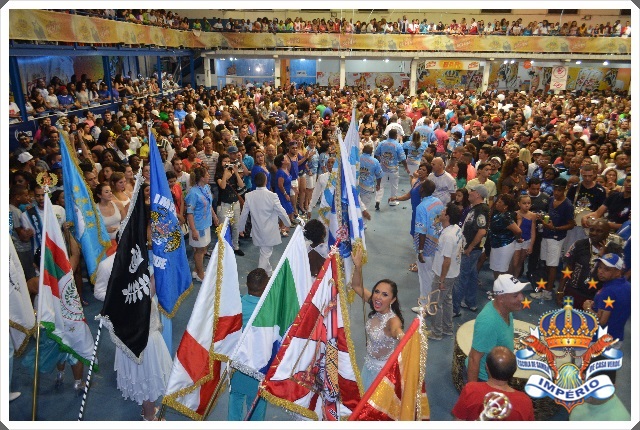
<point>569,331</point>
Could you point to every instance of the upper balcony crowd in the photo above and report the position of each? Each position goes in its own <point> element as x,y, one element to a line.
<point>403,25</point>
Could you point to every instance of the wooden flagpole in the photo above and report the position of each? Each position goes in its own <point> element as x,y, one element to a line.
<point>35,377</point>
<point>216,392</point>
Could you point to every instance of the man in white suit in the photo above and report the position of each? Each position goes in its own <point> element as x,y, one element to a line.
<point>265,209</point>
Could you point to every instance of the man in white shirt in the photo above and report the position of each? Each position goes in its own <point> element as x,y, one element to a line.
<point>445,184</point>
<point>393,124</point>
<point>446,268</point>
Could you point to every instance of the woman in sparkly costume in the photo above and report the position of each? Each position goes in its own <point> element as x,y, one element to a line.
<point>385,324</point>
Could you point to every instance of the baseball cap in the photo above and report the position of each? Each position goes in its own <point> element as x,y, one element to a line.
<point>577,129</point>
<point>155,112</point>
<point>477,124</point>
<point>164,125</point>
<point>537,151</point>
<point>612,260</point>
<point>232,149</point>
<point>507,284</point>
<point>497,159</point>
<point>480,189</point>
<point>527,133</point>
<point>560,182</point>
<point>24,157</point>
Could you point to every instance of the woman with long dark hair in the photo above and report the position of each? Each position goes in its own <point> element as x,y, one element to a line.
<point>503,232</point>
<point>385,326</point>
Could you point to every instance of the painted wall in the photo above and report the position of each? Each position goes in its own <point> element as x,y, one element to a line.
<point>244,70</point>
<point>302,71</point>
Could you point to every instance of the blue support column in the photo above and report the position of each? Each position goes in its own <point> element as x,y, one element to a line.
<point>137,67</point>
<point>16,84</point>
<point>107,74</point>
<point>192,68</point>
<point>160,75</point>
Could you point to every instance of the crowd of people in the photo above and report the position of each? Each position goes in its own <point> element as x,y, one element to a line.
<point>532,182</point>
<point>402,25</point>
<point>79,94</point>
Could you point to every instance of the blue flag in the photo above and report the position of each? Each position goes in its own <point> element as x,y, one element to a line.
<point>170,264</point>
<point>88,227</point>
<point>340,202</point>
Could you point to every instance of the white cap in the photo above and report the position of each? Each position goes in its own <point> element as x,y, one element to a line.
<point>24,157</point>
<point>538,151</point>
<point>155,112</point>
<point>507,284</point>
<point>577,129</point>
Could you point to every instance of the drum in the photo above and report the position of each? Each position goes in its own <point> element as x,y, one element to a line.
<point>543,408</point>
<point>579,213</point>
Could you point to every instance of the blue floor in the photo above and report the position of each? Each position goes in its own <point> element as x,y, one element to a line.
<point>390,253</point>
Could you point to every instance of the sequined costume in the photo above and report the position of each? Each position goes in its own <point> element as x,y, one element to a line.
<point>379,347</point>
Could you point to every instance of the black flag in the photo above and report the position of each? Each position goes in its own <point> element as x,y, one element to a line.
<point>127,305</point>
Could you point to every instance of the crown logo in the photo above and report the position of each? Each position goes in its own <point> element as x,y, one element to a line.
<point>568,327</point>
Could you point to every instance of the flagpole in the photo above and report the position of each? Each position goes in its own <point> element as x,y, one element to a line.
<point>35,377</point>
<point>34,404</point>
<point>253,406</point>
<point>216,392</point>
<point>88,380</point>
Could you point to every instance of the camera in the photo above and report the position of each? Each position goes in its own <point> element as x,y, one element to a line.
<point>233,165</point>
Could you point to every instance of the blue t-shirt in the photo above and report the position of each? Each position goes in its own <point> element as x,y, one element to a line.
<point>370,172</point>
<point>427,134</point>
<point>198,202</point>
<point>312,164</point>
<point>559,216</point>
<point>323,159</point>
<point>293,170</point>
<point>499,235</point>
<point>390,154</point>
<point>254,171</point>
<point>618,290</point>
<point>414,155</point>
<point>428,223</point>
<point>248,180</point>
<point>416,198</point>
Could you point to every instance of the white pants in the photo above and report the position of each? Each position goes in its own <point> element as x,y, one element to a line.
<point>321,184</point>
<point>366,197</point>
<point>391,179</point>
<point>425,275</point>
<point>263,260</point>
<point>234,209</point>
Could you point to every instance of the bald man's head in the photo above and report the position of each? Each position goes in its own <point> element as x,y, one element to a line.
<point>501,363</point>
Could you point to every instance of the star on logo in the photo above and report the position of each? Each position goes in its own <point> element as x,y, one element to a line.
<point>526,303</point>
<point>592,284</point>
<point>567,273</point>
<point>542,284</point>
<point>609,303</point>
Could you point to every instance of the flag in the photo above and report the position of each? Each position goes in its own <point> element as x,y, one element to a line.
<point>314,372</point>
<point>127,304</point>
<point>280,303</point>
<point>59,309</point>
<point>340,204</point>
<point>398,393</point>
<point>170,264</point>
<point>22,321</point>
<point>88,227</point>
<point>212,333</point>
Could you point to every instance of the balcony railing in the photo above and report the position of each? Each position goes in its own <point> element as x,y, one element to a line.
<point>47,26</point>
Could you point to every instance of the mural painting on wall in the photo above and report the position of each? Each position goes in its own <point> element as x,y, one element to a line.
<point>507,77</point>
<point>379,80</point>
<point>596,78</point>
<point>328,79</point>
<point>449,74</point>
<point>231,70</point>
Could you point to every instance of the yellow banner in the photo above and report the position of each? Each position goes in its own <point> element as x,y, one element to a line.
<point>452,64</point>
<point>40,25</point>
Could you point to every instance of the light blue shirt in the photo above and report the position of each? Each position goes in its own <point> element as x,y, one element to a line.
<point>390,154</point>
<point>198,203</point>
<point>313,163</point>
<point>428,223</point>
<point>370,172</point>
<point>414,155</point>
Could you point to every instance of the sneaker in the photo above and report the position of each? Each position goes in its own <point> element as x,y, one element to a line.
<point>434,337</point>
<point>14,395</point>
<point>195,276</point>
<point>394,203</point>
<point>238,252</point>
<point>457,315</point>
<point>472,309</point>
<point>544,295</point>
<point>377,206</point>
